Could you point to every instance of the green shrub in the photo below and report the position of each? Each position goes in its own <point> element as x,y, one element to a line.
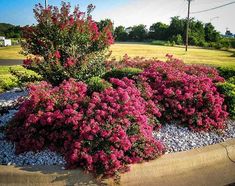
<point>226,72</point>
<point>96,84</point>
<point>228,90</point>
<point>121,73</point>
<point>22,77</point>
<point>231,80</point>
<point>7,84</point>
<point>159,42</point>
<point>232,42</point>
<point>177,39</point>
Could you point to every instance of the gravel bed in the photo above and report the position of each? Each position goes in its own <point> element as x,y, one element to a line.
<point>176,138</point>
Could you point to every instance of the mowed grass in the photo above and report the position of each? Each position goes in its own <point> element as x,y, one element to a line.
<point>11,52</point>
<point>194,55</point>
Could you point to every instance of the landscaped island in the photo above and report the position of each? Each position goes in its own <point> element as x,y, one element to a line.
<point>103,115</point>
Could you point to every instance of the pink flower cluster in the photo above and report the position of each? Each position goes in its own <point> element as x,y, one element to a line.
<point>64,20</point>
<point>185,93</point>
<point>102,133</point>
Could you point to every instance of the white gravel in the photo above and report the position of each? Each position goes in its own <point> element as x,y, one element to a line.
<point>176,138</point>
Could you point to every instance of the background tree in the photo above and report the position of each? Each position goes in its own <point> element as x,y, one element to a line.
<point>211,35</point>
<point>138,33</point>
<point>120,34</point>
<point>177,26</point>
<point>158,31</point>
<point>196,32</point>
<point>13,32</point>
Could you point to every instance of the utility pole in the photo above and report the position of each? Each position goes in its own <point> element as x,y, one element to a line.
<point>187,27</point>
<point>46,3</point>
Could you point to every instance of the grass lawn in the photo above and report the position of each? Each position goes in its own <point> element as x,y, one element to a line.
<point>10,52</point>
<point>194,55</point>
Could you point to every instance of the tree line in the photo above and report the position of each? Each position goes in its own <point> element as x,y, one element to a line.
<point>200,34</point>
<point>10,31</point>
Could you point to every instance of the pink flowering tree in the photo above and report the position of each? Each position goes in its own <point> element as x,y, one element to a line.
<point>65,44</point>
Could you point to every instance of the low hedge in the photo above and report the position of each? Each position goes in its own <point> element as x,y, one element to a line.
<point>228,90</point>
<point>97,84</point>
<point>226,72</point>
<point>121,73</point>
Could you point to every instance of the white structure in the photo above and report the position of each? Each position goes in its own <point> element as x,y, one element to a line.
<point>4,41</point>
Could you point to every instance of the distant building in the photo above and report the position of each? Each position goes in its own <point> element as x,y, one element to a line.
<point>4,41</point>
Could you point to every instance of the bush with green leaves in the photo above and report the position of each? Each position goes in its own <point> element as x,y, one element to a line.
<point>226,72</point>
<point>228,90</point>
<point>97,84</point>
<point>21,78</point>
<point>66,44</point>
<point>123,72</point>
<point>232,80</point>
<point>159,42</point>
<point>177,39</point>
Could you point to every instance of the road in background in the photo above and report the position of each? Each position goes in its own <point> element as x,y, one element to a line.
<point>10,62</point>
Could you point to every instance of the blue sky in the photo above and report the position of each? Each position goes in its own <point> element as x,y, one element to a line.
<point>128,12</point>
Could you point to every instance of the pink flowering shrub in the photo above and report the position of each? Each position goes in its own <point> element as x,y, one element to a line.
<point>102,133</point>
<point>48,117</point>
<point>185,93</point>
<point>143,63</point>
<point>66,43</point>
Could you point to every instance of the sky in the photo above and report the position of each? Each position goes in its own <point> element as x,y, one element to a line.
<point>129,12</point>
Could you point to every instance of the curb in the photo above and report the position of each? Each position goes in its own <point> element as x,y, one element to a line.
<point>210,165</point>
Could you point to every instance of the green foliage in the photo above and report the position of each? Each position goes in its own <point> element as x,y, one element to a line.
<point>228,90</point>
<point>21,78</point>
<point>226,72</point>
<point>138,33</point>
<point>177,39</point>
<point>7,84</point>
<point>96,84</point>
<point>121,73</point>
<point>232,80</point>
<point>120,34</point>
<point>10,31</point>
<point>159,42</point>
<point>232,42</point>
<point>211,35</point>
<point>158,31</point>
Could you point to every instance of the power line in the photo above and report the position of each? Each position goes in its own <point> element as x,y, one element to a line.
<point>213,8</point>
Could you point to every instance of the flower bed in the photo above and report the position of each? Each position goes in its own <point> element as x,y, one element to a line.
<point>102,125</point>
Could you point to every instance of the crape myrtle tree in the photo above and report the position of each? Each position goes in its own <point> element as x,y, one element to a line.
<point>66,44</point>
